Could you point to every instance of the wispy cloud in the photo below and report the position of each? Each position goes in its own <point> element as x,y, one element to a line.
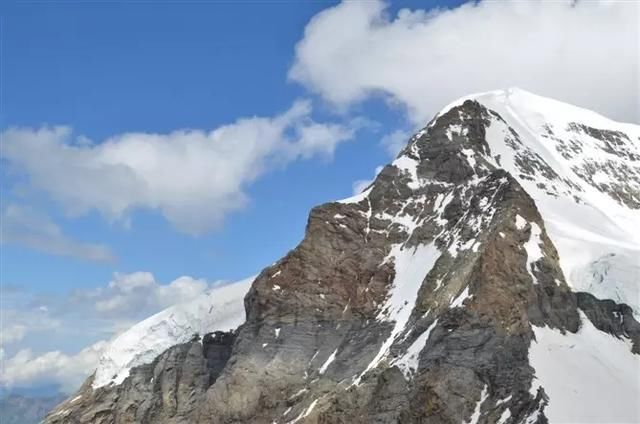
<point>26,226</point>
<point>136,295</point>
<point>395,141</point>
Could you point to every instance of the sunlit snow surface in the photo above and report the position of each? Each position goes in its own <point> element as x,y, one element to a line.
<point>222,309</point>
<point>590,376</point>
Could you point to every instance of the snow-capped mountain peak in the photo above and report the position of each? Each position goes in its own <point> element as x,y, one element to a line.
<point>489,274</point>
<point>582,171</point>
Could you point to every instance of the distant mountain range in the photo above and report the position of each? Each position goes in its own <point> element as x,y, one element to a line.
<point>19,409</point>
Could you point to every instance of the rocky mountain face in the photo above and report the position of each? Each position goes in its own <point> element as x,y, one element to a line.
<point>487,275</point>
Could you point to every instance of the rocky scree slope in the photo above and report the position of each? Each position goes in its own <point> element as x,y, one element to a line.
<point>488,275</point>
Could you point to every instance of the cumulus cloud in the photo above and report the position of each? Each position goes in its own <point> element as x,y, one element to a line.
<point>193,177</point>
<point>20,316</point>
<point>23,225</point>
<point>68,371</point>
<point>583,52</point>
<point>138,294</point>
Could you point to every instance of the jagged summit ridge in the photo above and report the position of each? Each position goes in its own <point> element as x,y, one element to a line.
<point>448,291</point>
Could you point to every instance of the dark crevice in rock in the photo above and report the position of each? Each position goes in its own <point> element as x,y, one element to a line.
<point>217,348</point>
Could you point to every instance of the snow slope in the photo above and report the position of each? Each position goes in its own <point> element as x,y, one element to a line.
<point>222,309</point>
<point>576,180</point>
<point>573,369</point>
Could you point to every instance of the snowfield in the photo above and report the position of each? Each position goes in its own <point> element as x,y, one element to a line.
<point>582,372</point>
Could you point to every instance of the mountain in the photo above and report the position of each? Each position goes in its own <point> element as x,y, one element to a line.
<point>20,409</point>
<point>489,274</point>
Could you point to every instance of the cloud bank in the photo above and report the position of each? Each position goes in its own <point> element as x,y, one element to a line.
<point>194,178</point>
<point>584,52</point>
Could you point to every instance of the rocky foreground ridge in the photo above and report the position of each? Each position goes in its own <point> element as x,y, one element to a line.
<point>489,274</point>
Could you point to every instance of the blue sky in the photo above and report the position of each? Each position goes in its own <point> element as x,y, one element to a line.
<point>128,76</point>
<point>108,69</point>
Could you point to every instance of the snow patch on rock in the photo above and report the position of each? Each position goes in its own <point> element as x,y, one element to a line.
<point>408,362</point>
<point>532,247</point>
<point>459,300</point>
<point>411,268</point>
<point>328,362</point>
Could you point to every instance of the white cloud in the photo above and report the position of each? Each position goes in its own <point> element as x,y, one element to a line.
<point>12,333</point>
<point>586,54</point>
<point>138,293</point>
<point>26,368</point>
<point>181,290</point>
<point>25,226</point>
<point>193,177</point>
<point>127,283</point>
